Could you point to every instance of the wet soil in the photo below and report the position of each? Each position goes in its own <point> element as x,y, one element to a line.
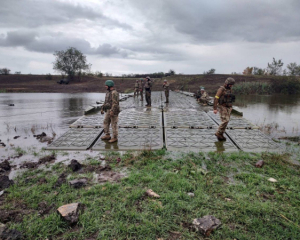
<point>38,83</point>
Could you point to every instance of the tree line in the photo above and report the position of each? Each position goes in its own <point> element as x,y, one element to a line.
<point>274,69</point>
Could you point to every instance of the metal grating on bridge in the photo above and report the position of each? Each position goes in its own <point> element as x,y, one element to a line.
<point>134,139</point>
<point>181,125</point>
<point>75,139</point>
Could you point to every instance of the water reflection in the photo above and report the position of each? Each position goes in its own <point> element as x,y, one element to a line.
<point>34,113</point>
<point>283,110</point>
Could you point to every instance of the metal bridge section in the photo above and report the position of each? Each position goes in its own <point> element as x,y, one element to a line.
<point>181,125</point>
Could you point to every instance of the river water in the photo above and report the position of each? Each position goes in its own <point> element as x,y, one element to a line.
<point>278,113</point>
<point>52,113</point>
<point>34,113</point>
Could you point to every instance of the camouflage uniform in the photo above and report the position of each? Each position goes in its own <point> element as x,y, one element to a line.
<point>198,95</point>
<point>111,104</point>
<point>142,90</point>
<point>148,86</point>
<point>136,89</point>
<point>166,87</point>
<point>204,97</point>
<point>224,108</point>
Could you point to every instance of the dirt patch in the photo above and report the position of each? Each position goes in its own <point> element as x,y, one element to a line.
<point>44,208</point>
<point>61,180</point>
<point>47,159</point>
<point>13,215</point>
<point>110,176</point>
<point>5,182</point>
<point>5,166</point>
<point>174,235</point>
<point>97,169</point>
<point>29,165</point>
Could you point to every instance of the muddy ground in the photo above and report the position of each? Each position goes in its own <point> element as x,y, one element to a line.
<point>39,83</point>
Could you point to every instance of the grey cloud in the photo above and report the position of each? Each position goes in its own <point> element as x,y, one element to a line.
<point>31,13</point>
<point>50,43</point>
<point>232,20</point>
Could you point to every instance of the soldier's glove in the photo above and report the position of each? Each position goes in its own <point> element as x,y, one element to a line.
<point>102,112</point>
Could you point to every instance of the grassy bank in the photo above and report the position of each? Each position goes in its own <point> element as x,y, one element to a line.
<point>283,85</point>
<point>227,186</point>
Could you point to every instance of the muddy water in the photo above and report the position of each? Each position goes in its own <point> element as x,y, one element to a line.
<point>279,113</point>
<point>34,113</point>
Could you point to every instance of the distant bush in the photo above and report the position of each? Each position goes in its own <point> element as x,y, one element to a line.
<point>17,73</point>
<point>253,88</point>
<point>48,76</point>
<point>4,71</point>
<point>210,72</point>
<point>286,85</point>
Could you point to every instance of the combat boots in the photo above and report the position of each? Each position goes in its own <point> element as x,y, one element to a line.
<point>114,139</point>
<point>106,137</point>
<point>220,136</point>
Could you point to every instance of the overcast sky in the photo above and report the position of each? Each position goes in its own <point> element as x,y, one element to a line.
<point>139,36</point>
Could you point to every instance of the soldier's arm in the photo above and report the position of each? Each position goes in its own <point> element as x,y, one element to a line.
<point>217,96</point>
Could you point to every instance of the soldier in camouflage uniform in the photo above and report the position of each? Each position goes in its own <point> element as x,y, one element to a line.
<point>198,94</point>
<point>204,97</point>
<point>148,86</point>
<point>112,109</point>
<point>136,88</point>
<point>142,89</point>
<point>166,87</point>
<point>223,100</point>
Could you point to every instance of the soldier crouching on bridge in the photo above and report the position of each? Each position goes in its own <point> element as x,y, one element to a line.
<point>204,97</point>
<point>112,109</point>
<point>223,100</point>
<point>167,90</point>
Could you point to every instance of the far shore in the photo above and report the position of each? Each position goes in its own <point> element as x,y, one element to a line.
<point>191,83</point>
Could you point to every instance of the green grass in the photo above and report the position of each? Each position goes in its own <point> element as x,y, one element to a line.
<point>257,209</point>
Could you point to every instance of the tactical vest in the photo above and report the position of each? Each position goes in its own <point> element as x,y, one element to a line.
<point>148,85</point>
<point>166,87</point>
<point>227,98</point>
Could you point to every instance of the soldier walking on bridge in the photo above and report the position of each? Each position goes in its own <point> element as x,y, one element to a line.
<point>112,109</point>
<point>166,87</point>
<point>148,86</point>
<point>223,100</point>
<point>136,88</point>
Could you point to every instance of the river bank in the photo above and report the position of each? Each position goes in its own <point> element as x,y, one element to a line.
<point>227,186</point>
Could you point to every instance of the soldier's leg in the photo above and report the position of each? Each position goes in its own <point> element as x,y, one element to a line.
<point>142,96</point>
<point>149,98</point>
<point>225,117</point>
<point>167,96</point>
<point>106,123</point>
<point>114,126</point>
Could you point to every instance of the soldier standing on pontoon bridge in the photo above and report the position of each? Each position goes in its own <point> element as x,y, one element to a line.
<point>223,101</point>
<point>112,109</point>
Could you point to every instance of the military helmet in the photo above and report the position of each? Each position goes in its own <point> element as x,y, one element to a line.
<point>109,83</point>
<point>165,80</point>
<point>148,77</point>
<point>229,81</point>
<point>137,80</point>
<point>202,88</point>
